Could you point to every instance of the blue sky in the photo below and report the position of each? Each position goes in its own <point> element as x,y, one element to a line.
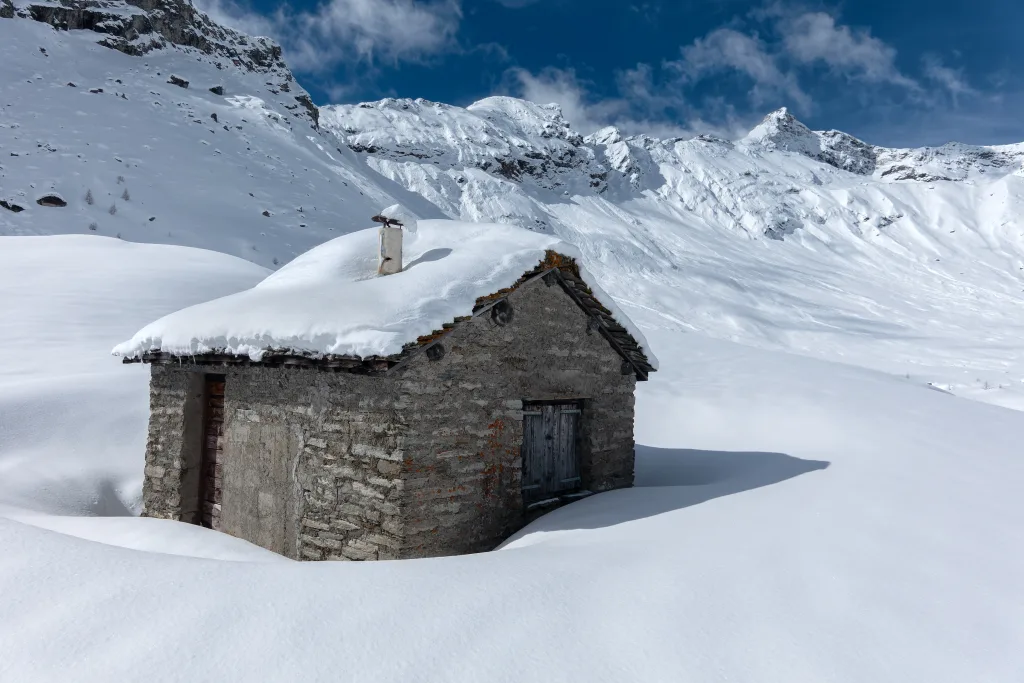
<point>898,73</point>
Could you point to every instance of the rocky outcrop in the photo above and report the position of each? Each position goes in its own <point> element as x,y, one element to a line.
<point>137,27</point>
<point>307,104</point>
<point>844,151</point>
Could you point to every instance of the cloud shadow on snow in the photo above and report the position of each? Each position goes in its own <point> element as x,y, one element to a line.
<point>670,479</point>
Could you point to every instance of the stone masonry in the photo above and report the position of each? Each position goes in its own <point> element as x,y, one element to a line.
<point>422,460</point>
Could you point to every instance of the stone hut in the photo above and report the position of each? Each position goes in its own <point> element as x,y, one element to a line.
<point>399,422</point>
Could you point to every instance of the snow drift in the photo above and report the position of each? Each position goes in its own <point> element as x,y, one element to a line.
<point>329,301</point>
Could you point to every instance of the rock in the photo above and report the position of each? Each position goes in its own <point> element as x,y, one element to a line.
<point>213,116</point>
<point>71,85</point>
<point>266,213</point>
<point>11,206</point>
<point>6,9</point>
<point>314,113</point>
<point>180,82</point>
<point>152,218</point>
<point>96,90</point>
<point>51,200</point>
<point>137,27</point>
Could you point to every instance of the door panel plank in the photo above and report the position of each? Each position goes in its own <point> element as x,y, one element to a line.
<point>550,450</point>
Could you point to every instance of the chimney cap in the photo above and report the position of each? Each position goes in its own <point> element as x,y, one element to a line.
<point>387,222</point>
<point>397,216</point>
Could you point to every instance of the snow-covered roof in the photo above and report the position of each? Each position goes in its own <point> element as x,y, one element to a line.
<point>330,302</point>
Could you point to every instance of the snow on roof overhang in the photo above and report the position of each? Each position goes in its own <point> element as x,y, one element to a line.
<point>554,269</point>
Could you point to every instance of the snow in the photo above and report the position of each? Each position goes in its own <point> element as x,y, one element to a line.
<point>808,509</point>
<point>71,418</point>
<point>399,213</point>
<point>794,520</point>
<point>329,301</point>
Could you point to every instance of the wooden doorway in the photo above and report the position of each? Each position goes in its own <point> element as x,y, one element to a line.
<point>210,473</point>
<point>551,452</point>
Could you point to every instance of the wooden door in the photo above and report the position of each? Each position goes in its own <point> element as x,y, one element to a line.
<point>551,462</point>
<point>210,474</point>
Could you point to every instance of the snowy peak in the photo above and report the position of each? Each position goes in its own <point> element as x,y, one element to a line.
<point>606,136</point>
<point>526,118</point>
<point>781,130</point>
<point>501,136</point>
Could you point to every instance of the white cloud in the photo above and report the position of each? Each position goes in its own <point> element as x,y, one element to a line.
<point>951,79</point>
<point>815,37</point>
<point>561,87</point>
<point>726,49</point>
<point>364,31</point>
<point>639,107</point>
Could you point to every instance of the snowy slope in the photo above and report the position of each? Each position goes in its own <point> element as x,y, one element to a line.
<point>149,155</point>
<point>787,239</point>
<point>71,418</point>
<point>794,521</point>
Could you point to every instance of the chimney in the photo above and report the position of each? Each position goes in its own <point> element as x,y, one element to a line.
<point>389,258</point>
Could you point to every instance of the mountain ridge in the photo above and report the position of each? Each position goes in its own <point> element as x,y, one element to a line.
<point>779,239</point>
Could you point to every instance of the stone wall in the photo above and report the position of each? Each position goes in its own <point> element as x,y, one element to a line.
<point>173,444</point>
<point>311,459</point>
<point>463,443</point>
<point>348,432</point>
<point>420,462</point>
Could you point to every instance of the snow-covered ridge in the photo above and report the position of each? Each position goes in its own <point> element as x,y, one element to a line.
<point>329,301</point>
<point>952,161</point>
<point>138,27</point>
<point>507,160</point>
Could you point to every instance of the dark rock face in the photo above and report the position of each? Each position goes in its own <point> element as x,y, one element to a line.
<point>314,113</point>
<point>6,9</point>
<point>180,82</point>
<point>847,152</point>
<point>154,25</point>
<point>11,206</point>
<point>51,200</point>
<point>219,90</point>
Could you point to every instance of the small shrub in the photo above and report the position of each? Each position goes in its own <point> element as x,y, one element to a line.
<point>88,198</point>
<point>112,210</point>
<point>93,227</point>
<point>125,196</point>
<point>120,179</point>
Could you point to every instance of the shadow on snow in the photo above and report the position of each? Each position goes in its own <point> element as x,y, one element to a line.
<point>670,479</point>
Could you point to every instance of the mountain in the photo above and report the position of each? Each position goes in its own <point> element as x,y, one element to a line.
<point>795,519</point>
<point>786,238</point>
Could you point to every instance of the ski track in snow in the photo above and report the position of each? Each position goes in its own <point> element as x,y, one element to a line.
<point>807,508</point>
